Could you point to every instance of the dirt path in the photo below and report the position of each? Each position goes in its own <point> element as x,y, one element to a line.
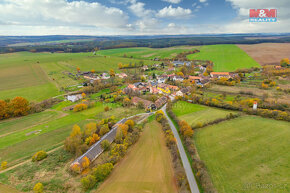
<point>29,160</point>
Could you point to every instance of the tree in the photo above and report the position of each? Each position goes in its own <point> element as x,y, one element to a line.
<point>104,129</point>
<point>39,156</point>
<point>4,165</point>
<point>80,107</point>
<point>102,171</point>
<point>130,123</point>
<point>88,182</point>
<point>3,110</point>
<point>90,128</point>
<point>84,95</point>
<point>85,162</point>
<point>106,108</point>
<point>112,73</point>
<point>93,71</point>
<point>20,106</point>
<point>76,168</point>
<point>124,129</point>
<point>285,62</point>
<point>105,145</point>
<point>126,102</point>
<point>94,139</point>
<point>78,69</point>
<point>76,131</point>
<point>180,74</point>
<point>38,188</point>
<point>154,76</point>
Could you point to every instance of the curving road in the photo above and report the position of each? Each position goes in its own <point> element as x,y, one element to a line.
<point>190,177</point>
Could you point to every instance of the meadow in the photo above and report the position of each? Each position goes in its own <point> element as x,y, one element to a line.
<point>147,53</point>
<point>38,76</point>
<point>226,58</point>
<point>247,154</point>
<point>194,113</point>
<point>146,168</point>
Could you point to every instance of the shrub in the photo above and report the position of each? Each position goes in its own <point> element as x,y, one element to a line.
<point>106,108</point>
<point>4,165</point>
<point>104,129</point>
<point>75,168</point>
<point>102,171</point>
<point>39,156</point>
<point>80,107</point>
<point>105,145</point>
<point>88,182</point>
<point>38,188</point>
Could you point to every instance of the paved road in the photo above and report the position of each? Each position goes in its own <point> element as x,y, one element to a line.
<point>190,177</point>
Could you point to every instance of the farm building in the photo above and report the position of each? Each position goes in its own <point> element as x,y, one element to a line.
<point>74,98</point>
<point>146,104</point>
<point>160,102</point>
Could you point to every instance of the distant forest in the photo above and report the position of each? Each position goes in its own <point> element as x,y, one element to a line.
<point>75,44</point>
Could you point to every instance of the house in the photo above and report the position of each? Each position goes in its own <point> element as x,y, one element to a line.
<point>160,102</point>
<point>91,78</point>
<point>74,98</point>
<point>154,90</point>
<point>146,104</point>
<point>220,75</point>
<point>179,93</point>
<point>186,90</point>
<point>196,79</point>
<point>161,80</point>
<point>105,76</point>
<point>139,84</point>
<point>145,68</point>
<point>177,78</point>
<point>171,87</point>
<point>181,63</point>
<point>122,75</point>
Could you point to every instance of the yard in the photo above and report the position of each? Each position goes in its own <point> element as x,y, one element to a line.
<point>194,113</point>
<point>146,168</point>
<point>247,154</point>
<point>226,58</point>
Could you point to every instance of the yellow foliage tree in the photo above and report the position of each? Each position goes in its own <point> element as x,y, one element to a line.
<point>76,130</point>
<point>85,162</point>
<point>84,95</point>
<point>80,107</point>
<point>78,69</point>
<point>76,168</point>
<point>124,129</point>
<point>93,71</point>
<point>38,188</point>
<point>90,128</point>
<point>4,165</point>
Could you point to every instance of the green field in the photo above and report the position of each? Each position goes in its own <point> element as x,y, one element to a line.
<point>194,113</point>
<point>38,76</point>
<point>226,58</point>
<point>247,154</point>
<point>22,137</point>
<point>147,53</point>
<point>146,168</point>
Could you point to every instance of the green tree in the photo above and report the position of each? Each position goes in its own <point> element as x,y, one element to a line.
<point>88,182</point>
<point>102,171</point>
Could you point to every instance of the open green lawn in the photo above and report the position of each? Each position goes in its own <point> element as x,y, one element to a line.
<point>146,168</point>
<point>147,53</point>
<point>245,153</point>
<point>194,113</point>
<point>226,58</point>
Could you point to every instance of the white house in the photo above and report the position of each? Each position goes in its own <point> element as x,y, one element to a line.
<point>74,98</point>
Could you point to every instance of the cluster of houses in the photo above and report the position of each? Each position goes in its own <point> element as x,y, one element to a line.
<point>103,76</point>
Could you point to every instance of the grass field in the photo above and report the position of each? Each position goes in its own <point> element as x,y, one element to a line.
<point>194,113</point>
<point>245,153</point>
<point>146,168</point>
<point>147,53</point>
<point>38,76</point>
<point>47,130</point>
<point>226,58</point>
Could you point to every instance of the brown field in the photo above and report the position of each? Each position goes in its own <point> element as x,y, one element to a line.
<point>267,53</point>
<point>7,189</point>
<point>146,168</point>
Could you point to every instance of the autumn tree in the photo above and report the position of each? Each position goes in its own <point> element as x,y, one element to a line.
<point>78,69</point>
<point>102,171</point>
<point>285,62</point>
<point>180,74</point>
<point>105,145</point>
<point>19,106</point>
<point>90,128</point>
<point>88,182</point>
<point>93,71</point>
<point>74,141</point>
<point>124,129</point>
<point>4,114</point>
<point>84,95</point>
<point>106,108</point>
<point>80,107</point>
<point>38,188</point>
<point>85,162</point>
<point>4,165</point>
<point>130,123</point>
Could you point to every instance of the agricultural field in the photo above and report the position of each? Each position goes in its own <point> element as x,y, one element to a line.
<point>226,58</point>
<point>147,53</point>
<point>21,138</point>
<point>267,53</point>
<point>38,76</point>
<point>146,168</point>
<point>194,113</point>
<point>245,153</point>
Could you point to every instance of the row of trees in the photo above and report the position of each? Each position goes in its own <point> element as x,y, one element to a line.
<point>16,107</point>
<point>179,172</point>
<point>198,165</point>
<point>127,134</point>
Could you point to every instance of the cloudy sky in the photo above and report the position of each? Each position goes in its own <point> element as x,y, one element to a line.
<point>137,17</point>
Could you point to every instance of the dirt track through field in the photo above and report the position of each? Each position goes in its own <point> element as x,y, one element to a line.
<point>267,53</point>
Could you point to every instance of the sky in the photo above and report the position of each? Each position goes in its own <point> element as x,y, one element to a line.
<point>138,17</point>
